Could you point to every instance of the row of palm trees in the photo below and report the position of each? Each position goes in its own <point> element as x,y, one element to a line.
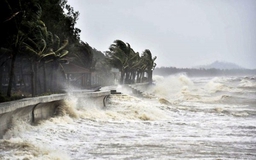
<point>33,43</point>
<point>131,65</point>
<point>30,50</point>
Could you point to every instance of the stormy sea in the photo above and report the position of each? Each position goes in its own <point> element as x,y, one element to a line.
<point>176,118</point>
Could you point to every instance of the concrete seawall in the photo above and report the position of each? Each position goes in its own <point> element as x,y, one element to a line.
<point>35,109</point>
<point>139,88</point>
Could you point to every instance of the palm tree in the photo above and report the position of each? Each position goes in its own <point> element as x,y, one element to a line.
<point>40,47</point>
<point>135,66</point>
<point>148,63</point>
<point>55,56</point>
<point>23,23</point>
<point>13,51</point>
<point>84,57</point>
<point>34,48</point>
<point>43,47</point>
<point>118,57</point>
<point>129,62</point>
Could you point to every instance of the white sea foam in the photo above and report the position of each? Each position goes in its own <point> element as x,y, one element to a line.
<point>186,119</point>
<point>171,87</point>
<point>247,83</point>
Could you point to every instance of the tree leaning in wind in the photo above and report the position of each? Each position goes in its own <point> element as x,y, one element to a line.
<point>118,57</point>
<point>148,63</point>
<point>30,39</point>
<point>47,49</point>
<point>129,62</point>
<point>22,23</point>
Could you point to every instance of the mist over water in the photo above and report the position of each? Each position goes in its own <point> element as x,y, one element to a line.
<point>177,118</point>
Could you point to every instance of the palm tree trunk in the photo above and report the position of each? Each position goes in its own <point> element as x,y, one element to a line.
<point>36,78</point>
<point>142,76</point>
<point>138,77</point>
<point>44,77</point>
<point>53,78</point>
<point>22,83</point>
<point>39,80</point>
<point>11,75</point>
<point>1,78</point>
<point>150,72</point>
<point>122,77</point>
<point>89,79</point>
<point>126,77</point>
<point>32,80</point>
<point>133,76</point>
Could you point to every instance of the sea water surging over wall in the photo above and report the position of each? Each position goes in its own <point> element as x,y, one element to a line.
<point>178,118</point>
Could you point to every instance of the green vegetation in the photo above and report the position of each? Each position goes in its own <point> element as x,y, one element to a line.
<point>130,63</point>
<point>41,52</point>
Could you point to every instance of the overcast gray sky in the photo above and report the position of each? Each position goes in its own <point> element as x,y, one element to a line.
<point>181,33</point>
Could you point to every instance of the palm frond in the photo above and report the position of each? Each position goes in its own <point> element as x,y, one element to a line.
<point>63,54</point>
<point>65,43</point>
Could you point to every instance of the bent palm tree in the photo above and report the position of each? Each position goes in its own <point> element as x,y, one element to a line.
<point>118,56</point>
<point>148,63</point>
<point>44,47</point>
<point>23,26</point>
<point>55,57</point>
